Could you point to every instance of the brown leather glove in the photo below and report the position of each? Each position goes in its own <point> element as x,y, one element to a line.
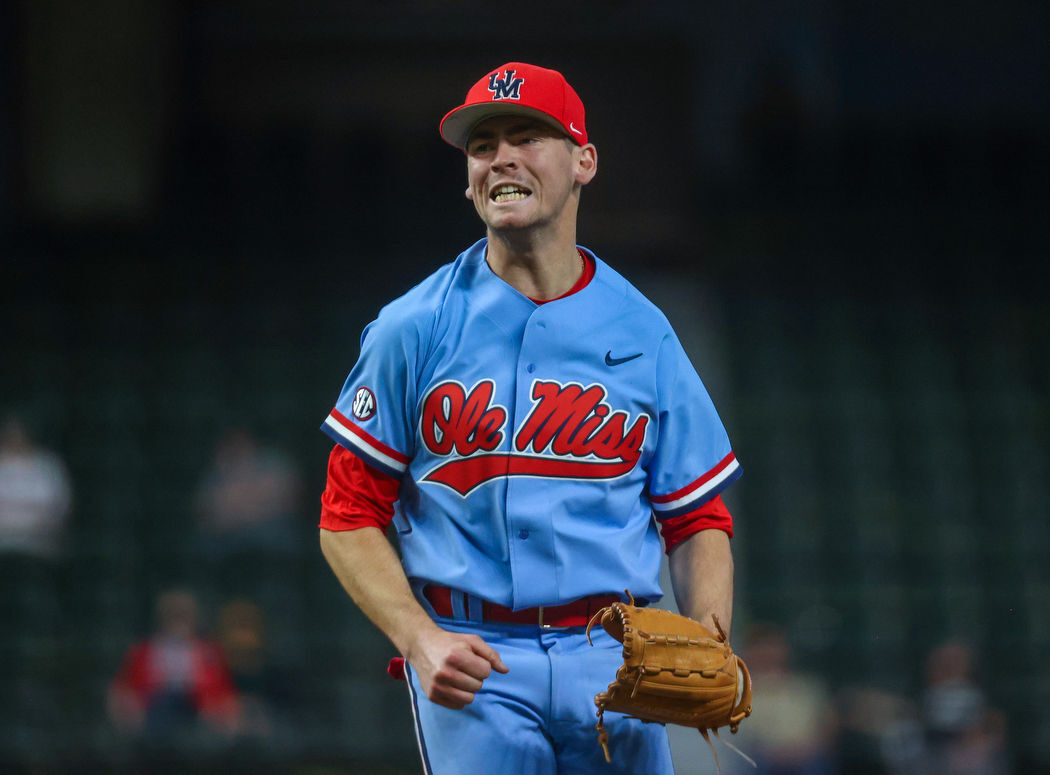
<point>675,671</point>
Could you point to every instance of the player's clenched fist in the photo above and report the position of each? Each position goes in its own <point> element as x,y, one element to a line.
<point>452,666</point>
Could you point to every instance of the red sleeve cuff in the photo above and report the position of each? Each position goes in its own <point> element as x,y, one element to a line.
<point>356,495</point>
<point>713,514</point>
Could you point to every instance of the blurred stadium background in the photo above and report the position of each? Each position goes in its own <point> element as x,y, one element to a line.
<point>843,208</point>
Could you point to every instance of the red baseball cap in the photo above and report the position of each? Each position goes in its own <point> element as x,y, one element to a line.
<point>517,89</point>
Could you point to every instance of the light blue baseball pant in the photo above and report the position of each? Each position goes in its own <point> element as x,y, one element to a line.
<point>539,718</point>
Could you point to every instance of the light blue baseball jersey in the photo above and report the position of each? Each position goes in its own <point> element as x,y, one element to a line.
<point>534,442</point>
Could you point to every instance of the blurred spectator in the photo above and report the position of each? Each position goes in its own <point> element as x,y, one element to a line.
<point>174,682</point>
<point>951,731</point>
<point>879,733</point>
<point>247,500</point>
<point>791,730</point>
<point>263,688</point>
<point>964,735</point>
<point>35,495</point>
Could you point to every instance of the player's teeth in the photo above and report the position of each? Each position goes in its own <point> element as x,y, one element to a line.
<point>508,193</point>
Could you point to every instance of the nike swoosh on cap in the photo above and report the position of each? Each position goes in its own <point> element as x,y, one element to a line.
<point>574,129</point>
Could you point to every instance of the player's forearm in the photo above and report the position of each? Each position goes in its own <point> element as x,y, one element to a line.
<point>702,577</point>
<point>370,571</point>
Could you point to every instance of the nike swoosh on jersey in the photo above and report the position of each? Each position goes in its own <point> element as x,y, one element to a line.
<point>610,361</point>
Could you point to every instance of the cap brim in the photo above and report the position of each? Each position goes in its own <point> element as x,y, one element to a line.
<point>458,123</point>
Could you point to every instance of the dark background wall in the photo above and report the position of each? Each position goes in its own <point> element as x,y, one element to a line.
<point>201,205</point>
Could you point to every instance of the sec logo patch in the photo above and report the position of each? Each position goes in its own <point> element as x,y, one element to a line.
<point>364,404</point>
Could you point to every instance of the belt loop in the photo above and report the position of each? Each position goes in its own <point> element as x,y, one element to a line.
<point>459,605</point>
<point>474,609</point>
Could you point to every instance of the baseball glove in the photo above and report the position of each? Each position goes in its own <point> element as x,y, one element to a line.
<point>675,671</point>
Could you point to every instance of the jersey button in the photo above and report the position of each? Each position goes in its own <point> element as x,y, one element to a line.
<point>530,368</point>
<point>523,534</point>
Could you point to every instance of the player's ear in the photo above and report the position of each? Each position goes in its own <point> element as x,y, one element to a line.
<point>586,163</point>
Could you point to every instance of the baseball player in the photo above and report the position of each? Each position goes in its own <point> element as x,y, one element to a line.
<point>530,425</point>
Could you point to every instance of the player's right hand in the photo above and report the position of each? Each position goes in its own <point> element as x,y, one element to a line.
<point>452,666</point>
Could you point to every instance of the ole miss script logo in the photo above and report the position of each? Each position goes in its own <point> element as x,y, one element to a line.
<point>571,433</point>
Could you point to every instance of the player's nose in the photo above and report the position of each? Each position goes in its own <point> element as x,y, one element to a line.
<point>504,156</point>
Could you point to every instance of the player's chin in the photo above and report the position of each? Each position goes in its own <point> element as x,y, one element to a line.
<point>508,221</point>
<point>519,212</point>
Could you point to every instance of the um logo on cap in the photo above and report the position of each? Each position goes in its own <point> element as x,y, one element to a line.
<point>506,88</point>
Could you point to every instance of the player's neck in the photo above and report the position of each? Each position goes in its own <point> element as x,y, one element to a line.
<point>539,269</point>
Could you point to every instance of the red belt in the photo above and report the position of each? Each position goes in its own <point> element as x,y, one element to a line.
<point>574,614</point>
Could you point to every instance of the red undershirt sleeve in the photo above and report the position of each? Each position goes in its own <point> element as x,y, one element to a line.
<point>356,495</point>
<point>713,514</point>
